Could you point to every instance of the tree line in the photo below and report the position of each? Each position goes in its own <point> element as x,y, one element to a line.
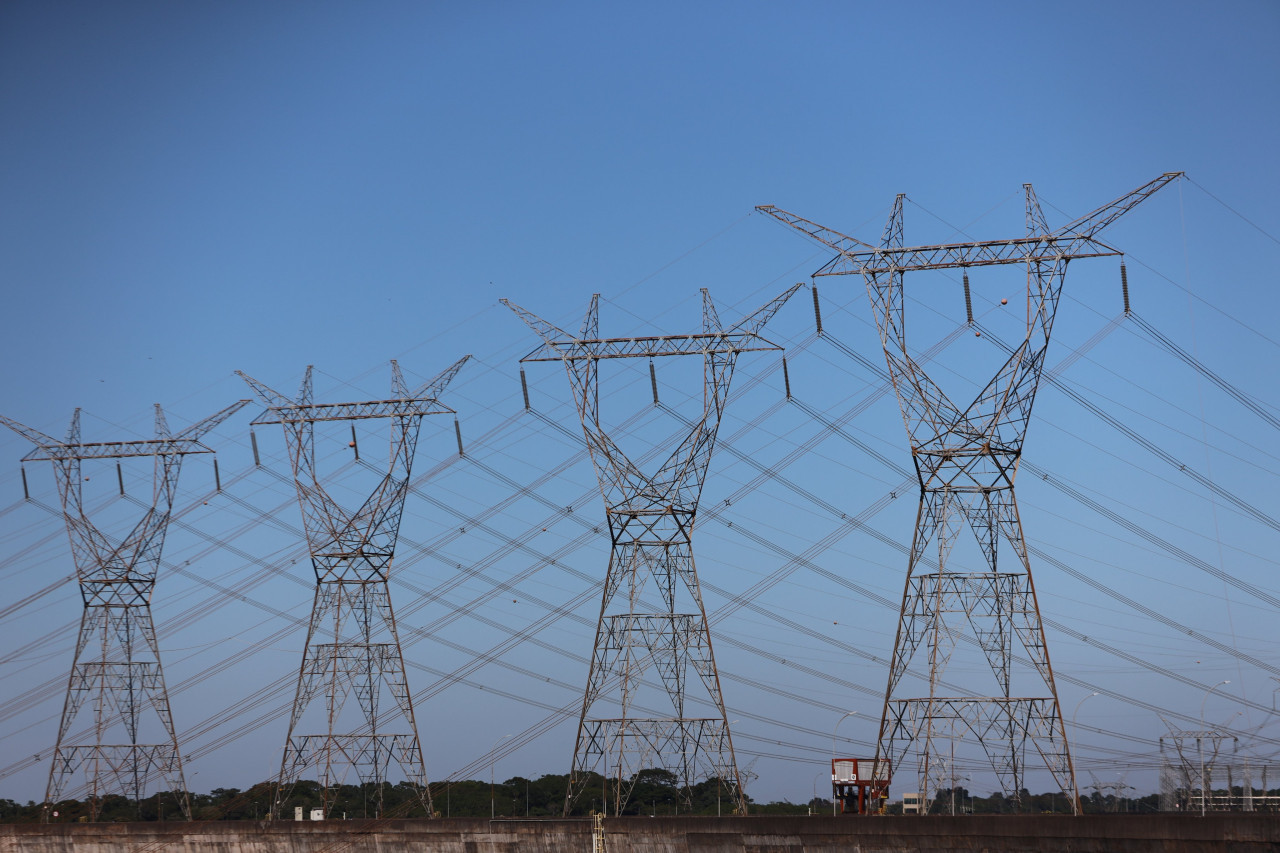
<point>655,792</point>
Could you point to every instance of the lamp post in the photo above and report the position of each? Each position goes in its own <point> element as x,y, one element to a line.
<point>953,768</point>
<point>1075,794</point>
<point>953,756</point>
<point>493,756</point>
<point>1200,741</point>
<point>833,758</point>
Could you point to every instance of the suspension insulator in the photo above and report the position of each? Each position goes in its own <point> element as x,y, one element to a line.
<point>1124,287</point>
<point>217,478</point>
<point>817,313</point>
<point>653,381</point>
<point>120,478</point>
<point>354,444</point>
<point>786,377</point>
<point>457,431</point>
<point>524,389</point>
<point>253,440</point>
<point>26,495</point>
<point>968,300</point>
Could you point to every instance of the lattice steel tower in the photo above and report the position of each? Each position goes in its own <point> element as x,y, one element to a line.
<point>1186,780</point>
<point>130,740</point>
<point>966,461</point>
<point>651,522</point>
<point>352,643</point>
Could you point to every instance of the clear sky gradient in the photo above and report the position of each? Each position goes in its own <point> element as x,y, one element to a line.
<point>194,188</point>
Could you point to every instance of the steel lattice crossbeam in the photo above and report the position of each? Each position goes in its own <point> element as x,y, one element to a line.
<point>304,413</point>
<point>118,449</point>
<point>353,647</point>
<point>651,520</point>
<point>116,669</point>
<point>650,347</point>
<point>1074,240</point>
<point>966,461</point>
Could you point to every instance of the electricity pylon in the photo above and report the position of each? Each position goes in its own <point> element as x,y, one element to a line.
<point>116,668</point>
<point>966,461</point>
<point>352,643</point>
<point>1186,778</point>
<point>651,522</point>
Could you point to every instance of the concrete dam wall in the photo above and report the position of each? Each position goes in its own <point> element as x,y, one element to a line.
<point>1235,833</point>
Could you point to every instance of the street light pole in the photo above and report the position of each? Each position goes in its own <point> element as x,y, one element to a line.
<point>493,756</point>
<point>833,758</point>
<point>953,768</point>
<point>953,756</point>
<point>1200,741</point>
<point>1075,795</point>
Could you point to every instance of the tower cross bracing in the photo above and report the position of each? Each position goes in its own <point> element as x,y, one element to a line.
<point>352,645</point>
<point>129,741</point>
<point>651,519</point>
<point>966,461</point>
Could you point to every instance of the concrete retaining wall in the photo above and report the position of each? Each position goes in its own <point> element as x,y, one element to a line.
<point>1234,833</point>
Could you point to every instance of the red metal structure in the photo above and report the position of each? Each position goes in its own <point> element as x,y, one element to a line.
<point>859,786</point>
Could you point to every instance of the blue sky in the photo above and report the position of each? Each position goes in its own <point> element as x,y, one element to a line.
<point>191,189</point>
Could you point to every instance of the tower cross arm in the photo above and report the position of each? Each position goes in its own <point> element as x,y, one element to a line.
<point>118,449</point>
<point>743,336</point>
<point>198,429</point>
<point>547,331</point>
<point>185,442</point>
<point>1089,224</point>
<point>571,349</point>
<point>1074,240</point>
<point>754,322</point>
<point>1206,734</point>
<point>34,436</point>
<point>295,413</point>
<point>858,257</point>
<point>435,386</point>
<point>270,396</point>
<point>976,254</point>
<point>826,236</point>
